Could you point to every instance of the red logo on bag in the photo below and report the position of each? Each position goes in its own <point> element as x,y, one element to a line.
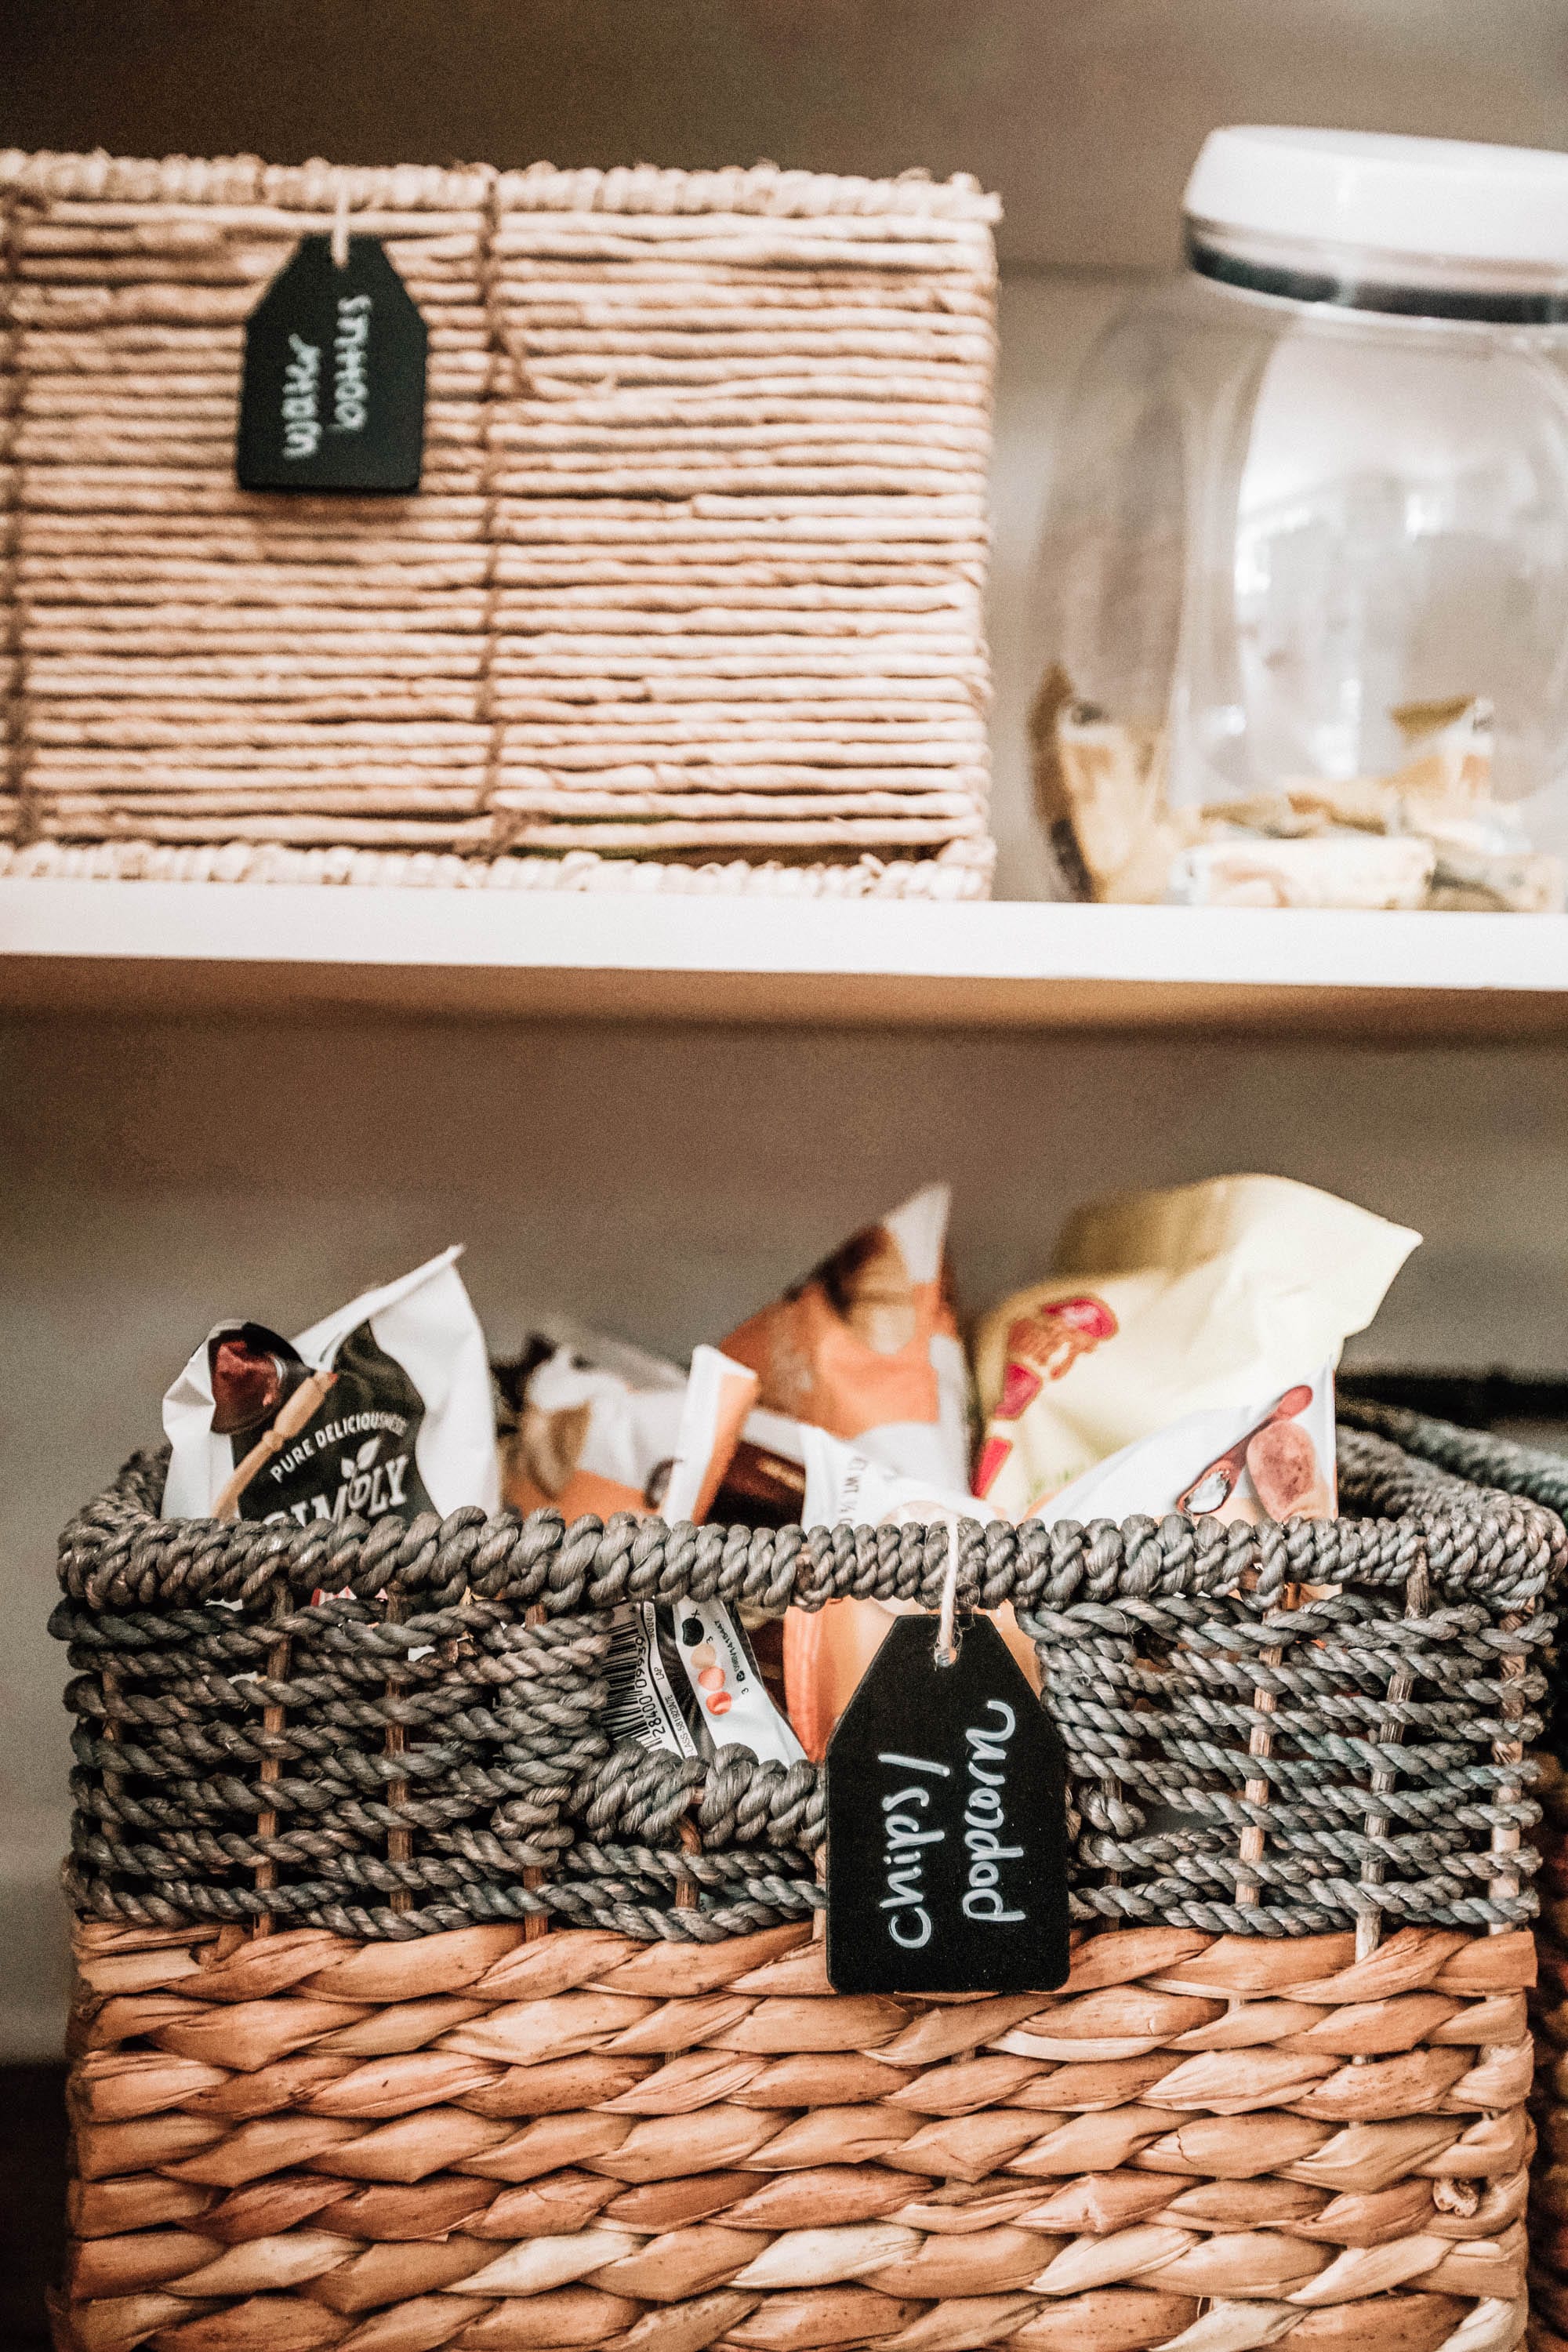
<point>1041,1347</point>
<point>992,1454</point>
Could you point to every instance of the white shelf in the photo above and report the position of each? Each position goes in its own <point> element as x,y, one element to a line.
<point>171,948</point>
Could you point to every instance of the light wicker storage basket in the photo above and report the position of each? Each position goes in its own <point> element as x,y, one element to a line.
<point>1549,2014</point>
<point>1528,1470</point>
<point>412,2014</point>
<point>693,573</point>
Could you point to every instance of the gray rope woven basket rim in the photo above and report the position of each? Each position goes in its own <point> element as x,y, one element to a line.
<point>1442,1581</point>
<point>117,1554</point>
<point>1478,1455</point>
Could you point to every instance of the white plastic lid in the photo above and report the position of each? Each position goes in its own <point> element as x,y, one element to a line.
<point>1446,198</point>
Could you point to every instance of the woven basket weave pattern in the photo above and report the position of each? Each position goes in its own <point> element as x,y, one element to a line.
<point>483,2142</point>
<point>963,870</point>
<point>391,1762</point>
<point>1287,2104</point>
<point>694,570</point>
<point>1549,2016</point>
<point>1543,1477</point>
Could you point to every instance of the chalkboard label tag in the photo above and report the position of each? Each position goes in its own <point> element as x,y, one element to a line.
<point>946,1824</point>
<point>332,397</point>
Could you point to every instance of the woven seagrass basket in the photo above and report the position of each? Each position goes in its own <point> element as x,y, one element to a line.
<point>693,573</point>
<point>1543,1477</point>
<point>412,2014</point>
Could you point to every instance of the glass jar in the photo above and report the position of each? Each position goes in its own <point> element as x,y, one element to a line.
<point>1309,518</point>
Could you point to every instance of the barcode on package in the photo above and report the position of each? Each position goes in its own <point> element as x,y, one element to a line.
<point>642,1705</point>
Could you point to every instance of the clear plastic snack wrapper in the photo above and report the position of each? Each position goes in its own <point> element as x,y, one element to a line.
<point>1181,1355</point>
<point>382,1410</point>
<point>602,1428</point>
<point>827,1651</point>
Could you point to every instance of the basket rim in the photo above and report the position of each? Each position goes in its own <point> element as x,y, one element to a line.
<point>761,189</point>
<point>1502,1550</point>
<point>1534,1472</point>
<point>1461,1589</point>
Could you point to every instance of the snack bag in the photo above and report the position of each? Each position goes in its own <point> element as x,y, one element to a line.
<point>1184,1352</point>
<point>764,1485</point>
<point>827,1651</point>
<point>602,1428</point>
<point>1232,1463</point>
<point>867,1346</point>
<point>382,1408</point>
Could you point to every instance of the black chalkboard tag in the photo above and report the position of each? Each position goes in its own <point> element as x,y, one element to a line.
<point>946,1824</point>
<point>333,393</point>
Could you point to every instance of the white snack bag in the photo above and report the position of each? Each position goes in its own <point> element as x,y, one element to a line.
<point>603,1428</point>
<point>384,1408</point>
<point>1224,1296</point>
<point>1272,1457</point>
<point>827,1651</point>
<point>595,1437</point>
<point>846,1487</point>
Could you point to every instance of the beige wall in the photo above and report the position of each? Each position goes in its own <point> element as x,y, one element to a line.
<point>1085,113</point>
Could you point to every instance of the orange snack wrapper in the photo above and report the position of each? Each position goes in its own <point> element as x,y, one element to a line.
<point>866,1346</point>
<point>866,1349</point>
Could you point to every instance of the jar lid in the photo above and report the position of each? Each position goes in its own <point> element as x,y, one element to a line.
<point>1370,221</point>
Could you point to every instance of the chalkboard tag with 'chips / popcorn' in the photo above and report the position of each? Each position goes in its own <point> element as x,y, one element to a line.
<point>946,1824</point>
<point>332,397</point>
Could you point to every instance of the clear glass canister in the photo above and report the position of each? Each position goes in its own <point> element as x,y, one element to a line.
<point>1303,612</point>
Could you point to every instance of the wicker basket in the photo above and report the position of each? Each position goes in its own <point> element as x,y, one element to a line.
<point>1543,1477</point>
<point>412,2014</point>
<point>1549,2015</point>
<point>693,573</point>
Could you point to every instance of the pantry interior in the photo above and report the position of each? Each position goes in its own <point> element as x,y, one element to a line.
<point>652,1113</point>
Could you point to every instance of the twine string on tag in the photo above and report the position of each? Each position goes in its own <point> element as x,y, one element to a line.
<point>947,1607</point>
<point>341,225</point>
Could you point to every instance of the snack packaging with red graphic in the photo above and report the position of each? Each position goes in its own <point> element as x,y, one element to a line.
<point>1252,1461</point>
<point>1181,1355</point>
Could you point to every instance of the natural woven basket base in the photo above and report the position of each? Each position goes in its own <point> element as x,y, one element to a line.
<point>1549,2184</point>
<point>507,2144</point>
